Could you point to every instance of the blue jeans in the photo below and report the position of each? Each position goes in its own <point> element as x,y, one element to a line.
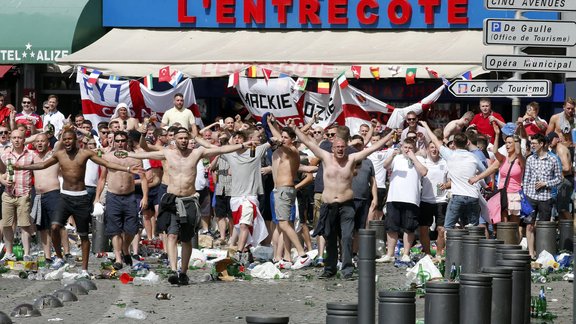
<point>463,208</point>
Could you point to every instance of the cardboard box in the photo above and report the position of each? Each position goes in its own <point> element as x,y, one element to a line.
<point>22,265</point>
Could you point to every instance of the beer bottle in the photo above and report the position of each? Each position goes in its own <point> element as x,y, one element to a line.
<point>10,170</point>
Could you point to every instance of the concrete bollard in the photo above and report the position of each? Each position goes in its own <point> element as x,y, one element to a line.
<point>501,294</point>
<point>546,237</point>
<point>508,232</point>
<point>475,298</point>
<point>566,229</point>
<point>267,319</point>
<point>470,253</point>
<point>453,248</point>
<point>398,307</point>
<point>487,252</point>
<point>442,303</point>
<point>520,276</point>
<point>366,276</point>
<point>341,313</point>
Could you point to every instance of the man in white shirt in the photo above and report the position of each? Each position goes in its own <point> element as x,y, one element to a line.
<point>378,159</point>
<point>53,116</point>
<point>403,203</point>
<point>462,165</point>
<point>180,114</point>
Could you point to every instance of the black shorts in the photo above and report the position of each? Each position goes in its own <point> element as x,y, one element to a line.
<point>80,207</point>
<point>430,211</point>
<point>170,223</point>
<point>361,207</point>
<point>564,196</point>
<point>222,207</point>
<point>381,198</point>
<point>162,189</point>
<point>542,209</point>
<point>153,199</point>
<point>401,216</point>
<point>121,215</point>
<point>49,206</point>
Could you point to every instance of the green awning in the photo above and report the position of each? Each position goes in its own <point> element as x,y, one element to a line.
<point>39,31</point>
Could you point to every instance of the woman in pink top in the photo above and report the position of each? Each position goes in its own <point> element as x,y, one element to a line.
<point>514,174</point>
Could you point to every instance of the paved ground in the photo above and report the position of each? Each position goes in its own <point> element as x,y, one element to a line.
<point>302,297</point>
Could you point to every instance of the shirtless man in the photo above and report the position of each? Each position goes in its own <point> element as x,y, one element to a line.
<point>177,222</point>
<point>563,123</point>
<point>338,199</point>
<point>125,120</point>
<point>285,163</point>
<point>47,195</point>
<point>566,187</point>
<point>458,126</point>
<point>121,215</point>
<point>74,199</point>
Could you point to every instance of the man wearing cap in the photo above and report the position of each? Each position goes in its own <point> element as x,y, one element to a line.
<point>484,119</point>
<point>180,114</point>
<point>566,187</point>
<point>542,174</point>
<point>123,116</point>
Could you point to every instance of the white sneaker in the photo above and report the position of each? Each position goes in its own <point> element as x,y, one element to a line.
<point>9,257</point>
<point>385,259</point>
<point>84,274</point>
<point>302,262</point>
<point>283,265</point>
<point>405,258</point>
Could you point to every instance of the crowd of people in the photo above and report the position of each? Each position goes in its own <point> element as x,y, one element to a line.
<point>250,183</point>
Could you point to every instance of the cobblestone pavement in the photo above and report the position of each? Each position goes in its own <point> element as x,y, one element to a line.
<point>302,297</point>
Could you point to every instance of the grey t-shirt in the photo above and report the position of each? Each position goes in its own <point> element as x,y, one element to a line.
<point>362,182</point>
<point>245,170</point>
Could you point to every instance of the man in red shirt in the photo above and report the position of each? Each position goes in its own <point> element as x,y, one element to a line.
<point>532,123</point>
<point>483,120</point>
<point>4,112</point>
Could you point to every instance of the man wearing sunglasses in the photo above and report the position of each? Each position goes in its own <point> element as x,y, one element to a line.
<point>422,137</point>
<point>28,117</point>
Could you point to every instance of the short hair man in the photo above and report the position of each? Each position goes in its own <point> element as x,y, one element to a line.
<point>484,119</point>
<point>563,123</point>
<point>180,114</point>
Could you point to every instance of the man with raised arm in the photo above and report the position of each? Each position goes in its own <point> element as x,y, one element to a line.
<point>179,210</point>
<point>74,199</point>
<point>337,210</point>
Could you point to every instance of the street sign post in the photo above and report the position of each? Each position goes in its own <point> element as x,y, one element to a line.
<point>501,88</point>
<point>534,5</point>
<point>529,32</point>
<point>529,63</point>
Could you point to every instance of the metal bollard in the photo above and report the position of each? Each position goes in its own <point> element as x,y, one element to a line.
<point>508,232</point>
<point>475,298</point>
<point>366,276</point>
<point>442,303</point>
<point>546,237</point>
<point>267,319</point>
<point>566,229</point>
<point>398,307</point>
<point>341,313</point>
<point>520,275</point>
<point>526,259</point>
<point>476,230</point>
<point>453,248</point>
<point>501,294</point>
<point>470,253</point>
<point>487,252</point>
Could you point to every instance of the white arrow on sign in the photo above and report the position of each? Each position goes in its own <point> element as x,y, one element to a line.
<point>529,63</point>
<point>529,32</point>
<point>499,88</point>
<point>534,5</point>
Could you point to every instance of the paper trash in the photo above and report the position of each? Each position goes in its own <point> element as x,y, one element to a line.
<point>267,271</point>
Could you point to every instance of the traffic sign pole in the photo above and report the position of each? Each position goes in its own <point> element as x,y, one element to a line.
<point>518,76</point>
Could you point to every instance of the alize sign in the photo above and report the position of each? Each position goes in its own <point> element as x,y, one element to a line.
<point>304,14</point>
